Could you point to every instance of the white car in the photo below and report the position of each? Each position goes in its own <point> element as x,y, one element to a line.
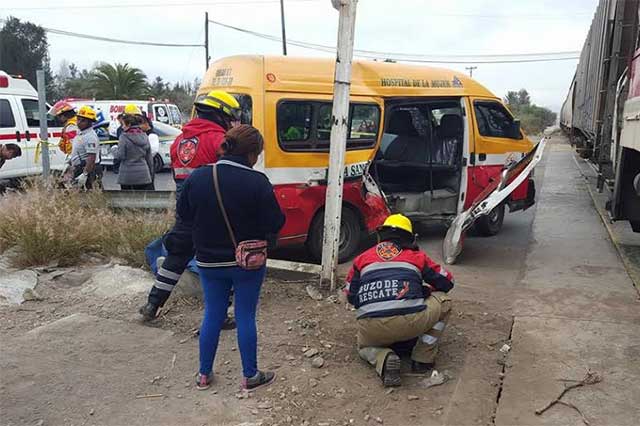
<point>161,139</point>
<point>20,124</point>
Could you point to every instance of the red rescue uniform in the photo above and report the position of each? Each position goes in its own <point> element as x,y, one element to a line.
<point>197,145</point>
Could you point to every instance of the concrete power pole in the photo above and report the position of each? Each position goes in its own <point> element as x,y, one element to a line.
<point>206,40</point>
<point>44,130</point>
<point>338,140</point>
<point>284,32</point>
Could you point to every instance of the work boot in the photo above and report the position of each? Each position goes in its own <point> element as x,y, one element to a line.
<point>391,370</point>
<point>421,367</point>
<point>149,312</point>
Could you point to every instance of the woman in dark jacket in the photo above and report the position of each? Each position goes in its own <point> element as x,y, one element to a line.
<point>254,214</point>
<point>134,154</point>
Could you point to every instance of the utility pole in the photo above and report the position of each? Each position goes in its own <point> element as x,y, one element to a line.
<point>44,131</point>
<point>470,70</point>
<point>338,139</point>
<point>206,40</point>
<point>284,32</point>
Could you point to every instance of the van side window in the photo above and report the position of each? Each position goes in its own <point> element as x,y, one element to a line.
<point>364,122</point>
<point>493,119</point>
<point>294,122</point>
<point>6,115</point>
<point>33,115</point>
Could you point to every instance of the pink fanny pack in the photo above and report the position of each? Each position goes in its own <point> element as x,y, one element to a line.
<point>250,254</point>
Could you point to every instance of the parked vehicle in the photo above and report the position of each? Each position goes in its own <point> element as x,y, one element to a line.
<point>163,112</point>
<point>426,142</point>
<point>601,113</point>
<point>161,157</point>
<point>20,124</point>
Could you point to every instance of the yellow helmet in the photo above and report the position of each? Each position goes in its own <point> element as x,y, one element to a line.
<point>131,109</point>
<point>220,100</point>
<point>87,112</point>
<point>398,221</point>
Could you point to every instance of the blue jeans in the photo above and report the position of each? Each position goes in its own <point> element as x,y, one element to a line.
<point>216,285</point>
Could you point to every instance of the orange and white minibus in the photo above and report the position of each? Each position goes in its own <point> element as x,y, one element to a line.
<point>423,141</point>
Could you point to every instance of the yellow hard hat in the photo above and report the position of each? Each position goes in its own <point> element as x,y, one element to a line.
<point>131,109</point>
<point>398,221</point>
<point>221,100</point>
<point>87,112</point>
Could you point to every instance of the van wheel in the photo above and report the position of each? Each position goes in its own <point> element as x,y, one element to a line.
<point>491,224</point>
<point>350,236</point>
<point>157,163</point>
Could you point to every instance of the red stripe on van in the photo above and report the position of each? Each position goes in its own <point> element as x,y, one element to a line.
<point>12,136</point>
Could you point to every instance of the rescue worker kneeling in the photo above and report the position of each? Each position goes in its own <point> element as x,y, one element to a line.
<point>400,295</point>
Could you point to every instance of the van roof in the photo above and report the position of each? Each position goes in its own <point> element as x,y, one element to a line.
<point>315,75</point>
<point>17,86</point>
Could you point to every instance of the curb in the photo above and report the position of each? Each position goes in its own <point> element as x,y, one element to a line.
<point>604,217</point>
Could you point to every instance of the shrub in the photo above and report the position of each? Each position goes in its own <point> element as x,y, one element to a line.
<point>47,225</point>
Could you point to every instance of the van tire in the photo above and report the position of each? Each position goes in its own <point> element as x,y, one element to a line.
<point>491,224</point>
<point>351,231</point>
<point>158,165</point>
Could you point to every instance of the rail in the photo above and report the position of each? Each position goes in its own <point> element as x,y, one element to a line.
<point>146,200</point>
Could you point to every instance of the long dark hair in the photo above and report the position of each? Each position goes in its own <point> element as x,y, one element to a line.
<point>243,140</point>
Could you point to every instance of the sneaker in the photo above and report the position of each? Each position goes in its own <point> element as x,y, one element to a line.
<point>203,381</point>
<point>391,370</point>
<point>262,378</point>
<point>421,367</point>
<point>149,312</point>
<point>229,324</point>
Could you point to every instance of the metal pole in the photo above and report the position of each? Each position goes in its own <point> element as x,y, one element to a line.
<point>44,131</point>
<point>206,40</point>
<point>284,32</point>
<point>338,140</point>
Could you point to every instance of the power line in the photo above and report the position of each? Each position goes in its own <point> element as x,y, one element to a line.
<point>157,5</point>
<point>113,40</point>
<point>451,59</point>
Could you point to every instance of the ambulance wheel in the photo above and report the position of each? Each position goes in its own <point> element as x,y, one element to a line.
<point>350,236</point>
<point>158,165</point>
<point>491,224</point>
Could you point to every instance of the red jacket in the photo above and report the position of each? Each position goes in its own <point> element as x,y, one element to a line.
<point>197,145</point>
<point>387,280</point>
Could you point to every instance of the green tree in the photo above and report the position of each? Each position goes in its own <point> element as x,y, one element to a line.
<point>119,81</point>
<point>534,119</point>
<point>24,50</point>
<point>158,88</point>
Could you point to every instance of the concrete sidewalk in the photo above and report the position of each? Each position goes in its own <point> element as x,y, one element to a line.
<point>575,308</point>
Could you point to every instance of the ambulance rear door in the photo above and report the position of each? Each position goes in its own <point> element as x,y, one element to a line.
<point>12,131</point>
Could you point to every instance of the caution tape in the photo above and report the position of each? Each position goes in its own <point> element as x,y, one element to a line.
<point>39,149</point>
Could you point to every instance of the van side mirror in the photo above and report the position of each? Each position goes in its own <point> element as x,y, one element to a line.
<point>514,132</point>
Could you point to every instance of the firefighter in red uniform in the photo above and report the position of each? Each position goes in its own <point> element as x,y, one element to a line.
<point>400,295</point>
<point>197,145</point>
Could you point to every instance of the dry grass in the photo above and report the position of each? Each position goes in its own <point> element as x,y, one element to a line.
<point>48,225</point>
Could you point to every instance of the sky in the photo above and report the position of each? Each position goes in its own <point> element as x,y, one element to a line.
<point>455,27</point>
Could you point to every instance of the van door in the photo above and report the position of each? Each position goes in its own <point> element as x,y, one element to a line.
<point>31,113</point>
<point>492,196</point>
<point>12,131</point>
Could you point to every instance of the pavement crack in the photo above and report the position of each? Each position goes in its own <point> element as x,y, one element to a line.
<point>503,374</point>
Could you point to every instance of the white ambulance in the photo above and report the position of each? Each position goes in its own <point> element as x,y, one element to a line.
<point>20,124</point>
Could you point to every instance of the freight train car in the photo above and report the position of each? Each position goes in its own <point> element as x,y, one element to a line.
<point>599,113</point>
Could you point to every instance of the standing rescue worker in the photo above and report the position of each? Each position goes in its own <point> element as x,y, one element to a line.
<point>85,154</point>
<point>400,295</point>
<point>66,116</point>
<point>199,144</point>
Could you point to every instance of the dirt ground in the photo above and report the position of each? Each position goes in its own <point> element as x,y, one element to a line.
<point>111,369</point>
